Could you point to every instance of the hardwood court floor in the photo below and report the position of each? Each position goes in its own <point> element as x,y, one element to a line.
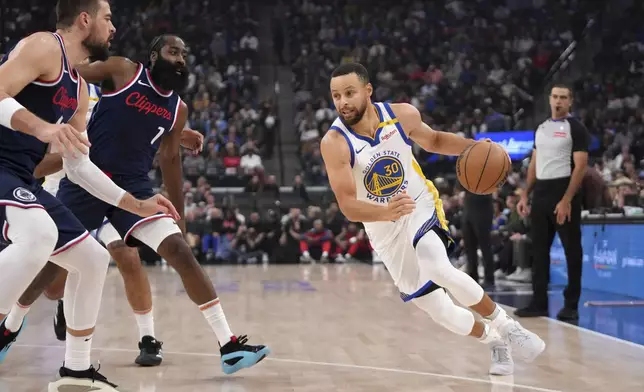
<point>331,328</point>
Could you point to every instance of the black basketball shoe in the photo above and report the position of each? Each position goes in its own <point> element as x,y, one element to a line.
<point>7,338</point>
<point>151,354</point>
<point>84,380</point>
<point>60,325</point>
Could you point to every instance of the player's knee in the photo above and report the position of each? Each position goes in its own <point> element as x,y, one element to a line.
<point>436,304</point>
<point>33,227</point>
<point>87,257</point>
<point>127,258</point>
<point>178,254</point>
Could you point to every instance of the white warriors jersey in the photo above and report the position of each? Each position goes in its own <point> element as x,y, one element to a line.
<point>384,167</point>
<point>53,180</point>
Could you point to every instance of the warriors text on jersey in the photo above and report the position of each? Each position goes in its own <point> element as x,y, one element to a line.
<point>385,166</point>
<point>54,101</point>
<point>128,125</point>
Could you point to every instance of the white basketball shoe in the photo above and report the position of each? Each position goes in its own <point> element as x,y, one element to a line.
<point>525,344</point>
<point>502,363</point>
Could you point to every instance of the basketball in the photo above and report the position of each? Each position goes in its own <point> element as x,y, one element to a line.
<point>482,167</point>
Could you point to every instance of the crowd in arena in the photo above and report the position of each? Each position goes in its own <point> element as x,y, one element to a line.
<point>467,66</point>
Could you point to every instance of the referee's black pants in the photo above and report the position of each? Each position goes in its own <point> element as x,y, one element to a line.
<point>547,193</point>
<point>476,227</point>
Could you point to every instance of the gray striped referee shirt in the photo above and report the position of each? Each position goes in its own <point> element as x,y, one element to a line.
<point>555,142</point>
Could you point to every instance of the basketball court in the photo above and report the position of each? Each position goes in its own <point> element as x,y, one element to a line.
<point>331,328</point>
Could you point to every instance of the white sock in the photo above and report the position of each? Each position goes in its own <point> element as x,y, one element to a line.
<point>15,317</point>
<point>77,352</point>
<point>145,322</point>
<point>214,314</point>
<point>498,317</point>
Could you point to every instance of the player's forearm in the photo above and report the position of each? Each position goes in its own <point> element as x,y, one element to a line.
<point>360,211</point>
<point>575,182</point>
<point>84,173</point>
<point>51,163</point>
<point>446,143</point>
<point>16,117</point>
<point>173,180</point>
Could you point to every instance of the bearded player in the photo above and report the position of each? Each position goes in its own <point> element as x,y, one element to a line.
<point>135,279</point>
<point>142,115</point>
<point>377,181</point>
<point>43,104</point>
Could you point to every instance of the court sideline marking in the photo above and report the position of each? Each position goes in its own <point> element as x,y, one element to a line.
<point>316,363</point>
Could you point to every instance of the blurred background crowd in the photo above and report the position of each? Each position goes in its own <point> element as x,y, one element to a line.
<point>259,93</point>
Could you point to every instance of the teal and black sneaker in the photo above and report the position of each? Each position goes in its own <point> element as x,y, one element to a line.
<point>7,338</point>
<point>237,355</point>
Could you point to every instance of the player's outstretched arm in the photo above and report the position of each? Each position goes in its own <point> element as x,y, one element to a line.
<point>444,143</point>
<point>337,160</point>
<point>83,172</point>
<point>118,69</point>
<point>170,162</point>
<point>29,61</point>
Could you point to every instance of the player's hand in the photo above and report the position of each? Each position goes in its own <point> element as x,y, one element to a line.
<point>65,139</point>
<point>156,204</point>
<point>192,140</point>
<point>522,207</point>
<point>400,205</point>
<point>563,211</point>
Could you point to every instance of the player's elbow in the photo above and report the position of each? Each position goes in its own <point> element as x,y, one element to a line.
<point>347,210</point>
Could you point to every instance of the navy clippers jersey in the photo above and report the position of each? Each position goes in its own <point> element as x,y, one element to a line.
<point>54,101</point>
<point>127,126</point>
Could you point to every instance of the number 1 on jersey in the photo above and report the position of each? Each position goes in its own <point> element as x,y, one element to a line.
<point>161,130</point>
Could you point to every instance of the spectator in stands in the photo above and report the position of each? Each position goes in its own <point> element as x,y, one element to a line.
<point>291,235</point>
<point>300,189</point>
<point>270,188</point>
<point>352,243</point>
<point>253,185</point>
<point>316,243</point>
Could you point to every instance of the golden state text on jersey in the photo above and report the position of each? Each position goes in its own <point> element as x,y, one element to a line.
<point>384,176</point>
<point>384,166</point>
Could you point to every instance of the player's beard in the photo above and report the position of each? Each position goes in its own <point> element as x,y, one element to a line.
<point>164,73</point>
<point>357,118</point>
<point>98,51</point>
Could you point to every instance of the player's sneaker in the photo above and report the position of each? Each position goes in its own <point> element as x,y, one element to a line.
<point>81,381</point>
<point>527,345</point>
<point>236,354</point>
<point>60,324</point>
<point>502,363</point>
<point>7,338</point>
<point>151,354</point>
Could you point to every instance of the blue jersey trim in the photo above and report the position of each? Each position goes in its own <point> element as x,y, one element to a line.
<point>398,126</point>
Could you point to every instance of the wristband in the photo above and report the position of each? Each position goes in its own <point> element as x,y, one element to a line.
<point>8,107</point>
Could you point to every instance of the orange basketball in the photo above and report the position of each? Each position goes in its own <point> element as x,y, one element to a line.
<point>482,167</point>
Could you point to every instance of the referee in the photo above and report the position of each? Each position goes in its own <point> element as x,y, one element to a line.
<point>556,171</point>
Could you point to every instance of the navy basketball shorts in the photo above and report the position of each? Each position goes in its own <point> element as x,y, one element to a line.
<point>92,212</point>
<point>16,192</point>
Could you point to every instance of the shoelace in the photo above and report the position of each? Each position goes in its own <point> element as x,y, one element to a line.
<point>517,336</point>
<point>96,376</point>
<point>155,346</point>
<point>241,340</point>
<point>500,354</point>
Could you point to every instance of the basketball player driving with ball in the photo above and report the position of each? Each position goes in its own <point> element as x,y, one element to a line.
<point>376,180</point>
